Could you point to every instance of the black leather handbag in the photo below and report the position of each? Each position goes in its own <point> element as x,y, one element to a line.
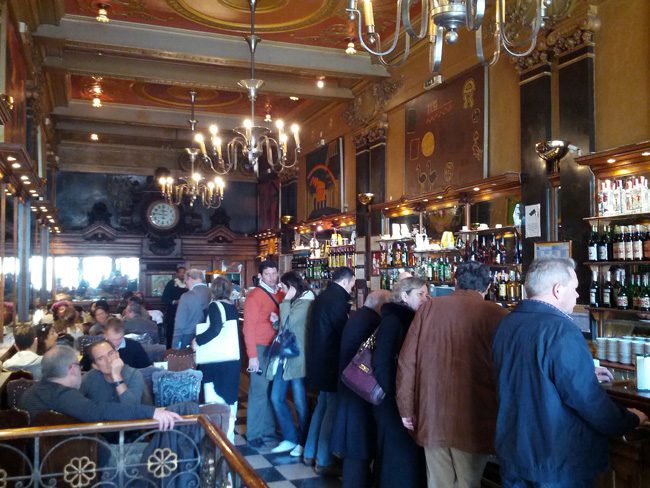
<point>285,344</point>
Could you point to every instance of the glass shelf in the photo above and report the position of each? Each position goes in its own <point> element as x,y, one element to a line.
<point>619,218</point>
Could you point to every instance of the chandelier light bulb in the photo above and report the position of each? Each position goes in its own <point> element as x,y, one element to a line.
<point>170,180</point>
<point>214,130</point>
<point>198,137</point>
<point>284,138</point>
<point>279,124</point>
<point>248,124</point>
<point>320,84</point>
<point>210,185</point>
<point>196,177</point>
<point>219,182</point>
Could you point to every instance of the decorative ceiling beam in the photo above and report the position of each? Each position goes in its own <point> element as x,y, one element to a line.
<point>189,75</point>
<point>216,49</point>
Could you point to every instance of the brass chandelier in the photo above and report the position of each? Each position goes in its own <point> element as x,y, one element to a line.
<point>251,140</point>
<point>441,20</point>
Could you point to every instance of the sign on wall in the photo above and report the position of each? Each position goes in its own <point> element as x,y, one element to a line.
<point>445,130</point>
<point>325,180</point>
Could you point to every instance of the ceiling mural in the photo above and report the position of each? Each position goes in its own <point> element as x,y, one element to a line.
<point>176,97</point>
<point>310,22</point>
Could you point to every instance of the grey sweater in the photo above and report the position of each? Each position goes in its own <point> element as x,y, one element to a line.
<point>45,395</point>
<point>95,387</point>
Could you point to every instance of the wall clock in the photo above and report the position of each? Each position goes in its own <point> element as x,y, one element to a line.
<point>162,216</point>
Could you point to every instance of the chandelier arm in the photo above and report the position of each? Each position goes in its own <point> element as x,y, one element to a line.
<point>435,54</point>
<point>406,16</point>
<point>474,14</point>
<point>405,54</point>
<point>508,44</point>
<point>497,44</point>
<point>363,42</point>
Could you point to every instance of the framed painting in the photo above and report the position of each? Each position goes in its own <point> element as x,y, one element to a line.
<point>325,180</point>
<point>558,249</point>
<point>445,135</point>
<point>157,283</point>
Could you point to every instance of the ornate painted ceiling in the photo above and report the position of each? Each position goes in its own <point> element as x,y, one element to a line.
<point>153,52</point>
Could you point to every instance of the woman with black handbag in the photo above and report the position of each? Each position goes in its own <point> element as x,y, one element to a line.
<point>287,368</point>
<point>400,461</point>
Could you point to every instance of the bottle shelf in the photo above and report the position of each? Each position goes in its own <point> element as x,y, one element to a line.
<point>389,268</point>
<point>398,239</point>
<point>619,218</point>
<point>439,251</point>
<point>618,310</point>
<point>491,230</point>
<point>610,364</point>
<point>616,263</point>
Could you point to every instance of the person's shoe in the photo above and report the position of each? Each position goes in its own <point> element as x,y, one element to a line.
<point>297,451</point>
<point>329,470</point>
<point>284,446</point>
<point>256,443</point>
<point>307,461</point>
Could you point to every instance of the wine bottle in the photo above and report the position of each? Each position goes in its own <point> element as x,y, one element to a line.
<point>503,287</point>
<point>637,244</point>
<point>619,245</point>
<point>592,249</point>
<point>594,290</point>
<point>604,245</point>
<point>606,300</point>
<point>622,298</point>
<point>644,295</point>
<point>627,238</point>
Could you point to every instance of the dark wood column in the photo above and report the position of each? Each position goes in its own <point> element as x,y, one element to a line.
<point>535,102</point>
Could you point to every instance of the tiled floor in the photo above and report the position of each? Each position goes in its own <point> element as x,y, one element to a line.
<point>278,470</point>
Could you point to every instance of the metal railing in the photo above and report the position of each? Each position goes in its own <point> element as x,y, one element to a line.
<point>133,453</point>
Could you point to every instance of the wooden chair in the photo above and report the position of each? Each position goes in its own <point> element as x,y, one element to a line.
<point>179,359</point>
<point>55,456</point>
<point>5,378</point>
<point>176,386</point>
<point>15,389</point>
<point>13,462</point>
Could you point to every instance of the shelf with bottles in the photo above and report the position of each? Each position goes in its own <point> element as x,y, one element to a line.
<point>627,244</point>
<point>502,251</point>
<point>492,230</point>
<point>622,295</point>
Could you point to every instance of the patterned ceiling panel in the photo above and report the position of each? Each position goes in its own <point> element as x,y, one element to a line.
<point>310,22</point>
<point>175,97</point>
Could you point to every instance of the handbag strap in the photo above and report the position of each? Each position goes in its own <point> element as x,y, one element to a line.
<point>270,296</point>
<point>370,342</point>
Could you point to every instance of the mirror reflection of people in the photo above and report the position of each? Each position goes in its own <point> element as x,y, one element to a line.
<point>26,359</point>
<point>47,337</point>
<point>170,297</point>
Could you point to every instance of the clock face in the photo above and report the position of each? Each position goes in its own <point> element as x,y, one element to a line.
<point>162,215</point>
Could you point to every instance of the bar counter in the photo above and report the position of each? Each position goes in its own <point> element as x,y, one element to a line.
<point>625,393</point>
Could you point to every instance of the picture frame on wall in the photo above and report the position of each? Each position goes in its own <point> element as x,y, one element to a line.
<point>554,249</point>
<point>157,283</point>
<point>324,180</point>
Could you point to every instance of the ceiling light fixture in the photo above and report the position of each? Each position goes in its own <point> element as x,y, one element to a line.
<point>94,137</point>
<point>15,165</point>
<point>320,83</point>
<point>102,12</point>
<point>350,50</point>
<point>645,153</point>
<point>294,99</point>
<point>515,30</point>
<point>97,91</point>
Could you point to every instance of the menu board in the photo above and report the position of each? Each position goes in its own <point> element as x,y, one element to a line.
<point>445,131</point>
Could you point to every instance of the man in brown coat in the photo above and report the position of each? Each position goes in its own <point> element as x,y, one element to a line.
<point>446,390</point>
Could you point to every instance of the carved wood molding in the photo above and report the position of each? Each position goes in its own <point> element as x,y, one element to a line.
<point>369,104</point>
<point>374,134</point>
<point>99,232</point>
<point>574,32</point>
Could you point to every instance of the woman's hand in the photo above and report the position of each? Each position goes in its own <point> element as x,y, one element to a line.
<point>274,317</point>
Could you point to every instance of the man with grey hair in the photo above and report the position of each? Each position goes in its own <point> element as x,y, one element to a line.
<point>191,309</point>
<point>136,321</point>
<point>59,391</point>
<point>554,418</point>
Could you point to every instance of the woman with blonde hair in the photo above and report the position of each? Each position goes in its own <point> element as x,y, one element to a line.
<point>400,461</point>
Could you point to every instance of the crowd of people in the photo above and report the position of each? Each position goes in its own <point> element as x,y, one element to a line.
<point>463,378</point>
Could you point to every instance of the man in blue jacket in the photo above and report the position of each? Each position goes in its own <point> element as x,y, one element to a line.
<point>554,418</point>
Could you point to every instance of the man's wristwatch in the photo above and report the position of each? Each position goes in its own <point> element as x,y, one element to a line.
<point>117,383</point>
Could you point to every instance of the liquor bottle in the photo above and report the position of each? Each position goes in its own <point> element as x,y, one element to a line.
<point>644,295</point>
<point>473,250</point>
<point>622,298</point>
<point>606,300</point>
<point>503,287</point>
<point>637,244</point>
<point>646,244</point>
<point>493,251</point>
<point>397,257</point>
<point>619,246</point>
<point>492,289</point>
<point>604,245</point>
<point>633,292</point>
<point>389,256</point>
<point>616,287</point>
<point>594,290</point>
<point>592,249</point>
<point>383,254</point>
<point>502,250</point>
<point>430,270</point>
<point>627,238</point>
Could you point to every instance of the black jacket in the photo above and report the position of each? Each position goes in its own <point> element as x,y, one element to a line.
<point>329,315</point>
<point>353,435</point>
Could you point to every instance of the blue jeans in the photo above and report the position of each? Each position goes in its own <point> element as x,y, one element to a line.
<point>281,407</point>
<point>508,482</point>
<point>320,429</point>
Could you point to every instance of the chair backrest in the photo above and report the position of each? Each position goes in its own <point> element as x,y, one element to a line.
<point>56,456</point>
<point>176,386</point>
<point>84,341</point>
<point>5,379</point>
<point>179,359</point>
<point>13,462</point>
<point>15,389</point>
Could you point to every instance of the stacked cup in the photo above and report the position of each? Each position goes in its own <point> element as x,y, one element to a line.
<point>612,349</point>
<point>625,351</point>
<point>638,349</point>
<point>601,347</point>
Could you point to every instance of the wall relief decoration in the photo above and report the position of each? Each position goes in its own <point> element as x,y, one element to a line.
<point>325,179</point>
<point>371,101</point>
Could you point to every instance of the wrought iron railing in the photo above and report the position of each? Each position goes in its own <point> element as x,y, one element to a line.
<point>123,454</point>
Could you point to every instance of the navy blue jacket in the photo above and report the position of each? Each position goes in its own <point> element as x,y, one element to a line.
<point>554,418</point>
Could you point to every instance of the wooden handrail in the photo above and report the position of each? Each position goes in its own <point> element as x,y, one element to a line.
<point>238,463</point>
